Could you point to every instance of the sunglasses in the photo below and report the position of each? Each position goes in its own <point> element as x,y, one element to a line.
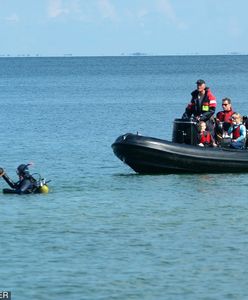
<point>225,104</point>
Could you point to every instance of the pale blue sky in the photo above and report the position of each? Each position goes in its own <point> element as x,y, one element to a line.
<point>115,27</point>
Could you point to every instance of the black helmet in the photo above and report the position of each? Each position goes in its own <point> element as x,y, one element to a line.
<point>22,170</point>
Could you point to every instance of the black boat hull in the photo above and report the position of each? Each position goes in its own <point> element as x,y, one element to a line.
<point>147,155</point>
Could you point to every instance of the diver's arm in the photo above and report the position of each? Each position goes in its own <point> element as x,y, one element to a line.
<point>10,182</point>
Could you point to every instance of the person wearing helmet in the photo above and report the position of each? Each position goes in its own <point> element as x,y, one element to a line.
<point>26,184</point>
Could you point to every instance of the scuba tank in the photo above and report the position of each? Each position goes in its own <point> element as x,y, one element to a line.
<point>41,184</point>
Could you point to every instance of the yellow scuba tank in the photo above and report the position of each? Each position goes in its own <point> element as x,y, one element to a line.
<point>41,184</point>
<point>44,189</point>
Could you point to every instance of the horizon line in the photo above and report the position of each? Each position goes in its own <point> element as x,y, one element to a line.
<point>136,54</point>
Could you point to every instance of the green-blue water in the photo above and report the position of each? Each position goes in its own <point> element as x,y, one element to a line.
<point>104,232</point>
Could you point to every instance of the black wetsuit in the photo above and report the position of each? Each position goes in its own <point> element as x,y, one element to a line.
<point>26,185</point>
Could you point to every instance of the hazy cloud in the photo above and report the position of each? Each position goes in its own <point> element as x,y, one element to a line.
<point>56,8</point>
<point>89,11</point>
<point>14,18</point>
<point>142,13</point>
<point>168,10</point>
<point>107,10</point>
<point>82,10</point>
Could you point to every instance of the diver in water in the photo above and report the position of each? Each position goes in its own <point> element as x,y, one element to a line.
<point>26,184</point>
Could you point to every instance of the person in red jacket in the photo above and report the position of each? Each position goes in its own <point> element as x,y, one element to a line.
<point>202,105</point>
<point>223,120</point>
<point>226,114</point>
<point>205,139</point>
<point>224,117</point>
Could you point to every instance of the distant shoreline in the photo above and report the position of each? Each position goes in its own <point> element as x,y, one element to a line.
<point>120,55</point>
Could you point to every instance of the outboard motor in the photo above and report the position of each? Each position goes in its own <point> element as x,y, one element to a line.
<point>184,132</point>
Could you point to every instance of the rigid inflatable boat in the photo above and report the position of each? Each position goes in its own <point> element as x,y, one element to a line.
<point>148,155</point>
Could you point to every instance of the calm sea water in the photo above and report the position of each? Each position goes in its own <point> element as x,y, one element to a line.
<point>104,232</point>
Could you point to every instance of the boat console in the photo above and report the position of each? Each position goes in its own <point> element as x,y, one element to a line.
<point>184,132</point>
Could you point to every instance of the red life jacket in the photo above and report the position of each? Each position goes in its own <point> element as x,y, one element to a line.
<point>236,132</point>
<point>225,116</point>
<point>205,138</point>
<point>208,102</point>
